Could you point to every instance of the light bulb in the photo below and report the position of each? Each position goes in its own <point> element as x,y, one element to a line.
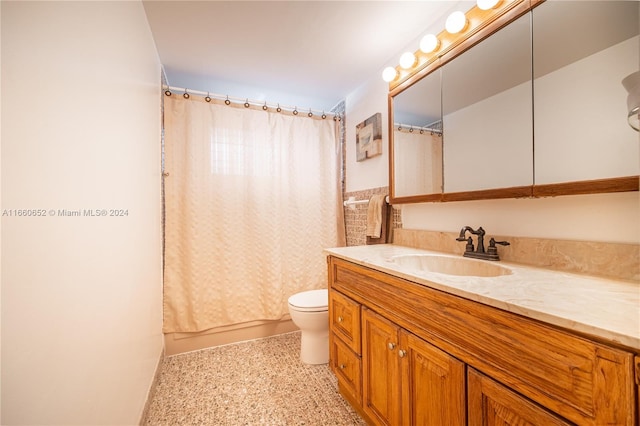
<point>456,22</point>
<point>487,4</point>
<point>429,43</point>
<point>407,60</point>
<point>389,74</point>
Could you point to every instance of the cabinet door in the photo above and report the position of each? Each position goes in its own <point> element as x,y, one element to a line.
<point>433,384</point>
<point>380,369</point>
<point>344,318</point>
<point>491,404</point>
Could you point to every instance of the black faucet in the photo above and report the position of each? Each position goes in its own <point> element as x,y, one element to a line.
<point>479,252</point>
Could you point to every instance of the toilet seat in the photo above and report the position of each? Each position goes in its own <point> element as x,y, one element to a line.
<point>310,301</point>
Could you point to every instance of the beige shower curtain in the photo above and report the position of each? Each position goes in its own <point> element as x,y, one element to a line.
<point>252,198</point>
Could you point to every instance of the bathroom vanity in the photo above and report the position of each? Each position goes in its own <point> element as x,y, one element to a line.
<point>413,341</point>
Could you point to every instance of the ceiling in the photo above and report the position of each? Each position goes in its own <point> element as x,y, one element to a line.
<point>309,54</point>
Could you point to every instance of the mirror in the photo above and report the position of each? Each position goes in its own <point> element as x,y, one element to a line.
<point>487,107</point>
<point>580,116</point>
<point>508,133</point>
<point>417,139</point>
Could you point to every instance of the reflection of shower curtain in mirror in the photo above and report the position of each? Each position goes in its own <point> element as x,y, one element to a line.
<point>252,199</point>
<point>418,163</point>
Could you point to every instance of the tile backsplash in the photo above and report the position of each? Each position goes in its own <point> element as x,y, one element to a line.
<point>356,219</point>
<point>611,260</point>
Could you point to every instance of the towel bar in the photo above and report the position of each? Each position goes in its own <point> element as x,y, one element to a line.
<point>351,202</point>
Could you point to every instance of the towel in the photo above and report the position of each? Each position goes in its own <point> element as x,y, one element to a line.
<point>374,215</point>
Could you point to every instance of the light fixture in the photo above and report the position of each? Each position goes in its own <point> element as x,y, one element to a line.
<point>456,22</point>
<point>389,74</point>
<point>487,4</point>
<point>429,43</point>
<point>407,60</point>
<point>632,84</point>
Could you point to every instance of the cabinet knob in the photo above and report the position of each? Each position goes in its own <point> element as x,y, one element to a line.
<point>391,346</point>
<point>402,353</point>
<point>340,319</point>
<point>342,366</point>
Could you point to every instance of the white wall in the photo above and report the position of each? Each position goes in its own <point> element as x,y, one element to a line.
<point>81,296</point>
<point>369,99</point>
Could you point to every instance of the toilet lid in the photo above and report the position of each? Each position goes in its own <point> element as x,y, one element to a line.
<point>312,300</point>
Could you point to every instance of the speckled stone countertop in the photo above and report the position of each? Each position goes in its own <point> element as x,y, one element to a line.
<point>600,307</point>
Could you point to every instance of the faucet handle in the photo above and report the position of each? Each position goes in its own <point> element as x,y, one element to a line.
<point>492,251</point>
<point>469,247</point>
<point>493,242</point>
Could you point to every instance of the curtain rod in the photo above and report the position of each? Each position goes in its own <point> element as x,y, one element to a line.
<point>169,90</point>
<point>410,128</point>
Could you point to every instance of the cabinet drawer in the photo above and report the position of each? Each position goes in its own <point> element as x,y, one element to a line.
<point>344,319</point>
<point>581,380</point>
<point>493,404</point>
<point>348,368</point>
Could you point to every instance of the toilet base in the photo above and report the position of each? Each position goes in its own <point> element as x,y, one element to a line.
<point>314,347</point>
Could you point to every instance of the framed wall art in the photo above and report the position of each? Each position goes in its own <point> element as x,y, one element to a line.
<point>369,137</point>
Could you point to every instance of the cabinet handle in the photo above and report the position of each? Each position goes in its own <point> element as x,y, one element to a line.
<point>340,319</point>
<point>342,366</point>
<point>391,346</point>
<point>402,353</point>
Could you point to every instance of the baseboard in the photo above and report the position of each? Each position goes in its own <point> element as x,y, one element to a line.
<point>177,343</point>
<point>152,389</point>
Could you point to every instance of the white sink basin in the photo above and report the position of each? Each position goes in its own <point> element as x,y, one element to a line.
<point>450,265</point>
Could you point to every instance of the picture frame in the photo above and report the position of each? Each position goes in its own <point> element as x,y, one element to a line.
<point>369,138</point>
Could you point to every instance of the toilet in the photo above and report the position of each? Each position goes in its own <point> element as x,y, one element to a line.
<point>309,310</point>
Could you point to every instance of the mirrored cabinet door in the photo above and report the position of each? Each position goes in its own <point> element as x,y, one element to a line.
<point>417,139</point>
<point>580,115</point>
<point>487,113</point>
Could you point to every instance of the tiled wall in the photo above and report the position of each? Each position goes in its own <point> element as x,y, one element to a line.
<point>356,219</point>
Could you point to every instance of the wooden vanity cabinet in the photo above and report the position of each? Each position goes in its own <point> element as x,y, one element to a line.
<point>426,354</point>
<point>407,381</point>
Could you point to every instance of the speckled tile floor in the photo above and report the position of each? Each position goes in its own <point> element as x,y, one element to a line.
<point>260,382</point>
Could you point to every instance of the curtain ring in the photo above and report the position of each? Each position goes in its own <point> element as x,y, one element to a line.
<point>265,107</point>
<point>279,109</point>
<point>421,131</point>
<point>295,111</point>
<point>246,103</point>
<point>411,129</point>
<point>310,113</point>
<point>324,115</point>
<point>167,92</point>
<point>185,94</point>
<point>227,101</point>
<point>399,128</point>
<point>208,98</point>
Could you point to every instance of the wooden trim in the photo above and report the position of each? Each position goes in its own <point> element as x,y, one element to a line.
<point>489,194</point>
<point>481,24</point>
<point>597,186</point>
<point>429,198</point>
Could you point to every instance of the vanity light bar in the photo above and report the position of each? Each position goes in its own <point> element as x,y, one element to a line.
<point>459,27</point>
